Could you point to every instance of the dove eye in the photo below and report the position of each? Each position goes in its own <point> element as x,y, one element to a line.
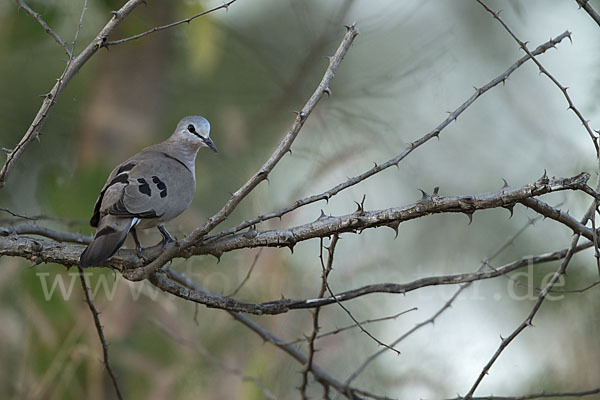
<point>191,128</point>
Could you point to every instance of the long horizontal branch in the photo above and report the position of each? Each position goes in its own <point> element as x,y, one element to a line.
<point>165,282</point>
<point>68,254</point>
<point>391,217</point>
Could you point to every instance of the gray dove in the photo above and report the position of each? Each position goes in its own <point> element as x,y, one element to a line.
<point>148,189</point>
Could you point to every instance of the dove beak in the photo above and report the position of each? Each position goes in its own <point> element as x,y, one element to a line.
<point>208,141</point>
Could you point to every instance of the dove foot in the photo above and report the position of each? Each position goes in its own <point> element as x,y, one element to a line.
<point>167,237</point>
<point>138,245</point>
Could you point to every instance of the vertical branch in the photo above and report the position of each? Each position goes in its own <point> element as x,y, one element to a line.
<point>100,330</point>
<point>325,270</point>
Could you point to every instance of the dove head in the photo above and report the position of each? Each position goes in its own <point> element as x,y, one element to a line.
<point>194,131</point>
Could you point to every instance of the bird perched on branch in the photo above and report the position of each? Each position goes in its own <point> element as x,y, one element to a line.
<point>148,189</point>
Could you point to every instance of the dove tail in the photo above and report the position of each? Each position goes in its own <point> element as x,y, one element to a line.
<point>106,242</point>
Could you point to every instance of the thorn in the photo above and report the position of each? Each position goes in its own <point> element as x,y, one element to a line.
<point>425,196</point>
<point>115,14</point>
<point>529,322</point>
<point>394,226</point>
<point>327,90</point>
<point>569,36</point>
<point>251,232</point>
<point>501,338</point>
<point>544,178</point>
<point>291,247</point>
<point>505,183</point>
<point>300,114</point>
<point>359,208</point>
<point>470,215</point>
<point>322,216</point>
<point>436,190</point>
<point>375,164</point>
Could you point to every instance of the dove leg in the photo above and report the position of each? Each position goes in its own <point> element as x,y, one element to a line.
<point>167,237</point>
<point>138,246</point>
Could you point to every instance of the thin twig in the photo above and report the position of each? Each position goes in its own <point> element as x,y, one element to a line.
<point>83,10</point>
<point>243,282</point>
<point>45,232</point>
<point>46,27</point>
<point>353,326</point>
<point>100,330</point>
<point>544,71</point>
<point>14,214</point>
<point>339,303</point>
<point>163,27</point>
<point>262,174</point>
<point>325,270</point>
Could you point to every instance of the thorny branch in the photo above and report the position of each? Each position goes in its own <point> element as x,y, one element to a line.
<point>396,160</point>
<point>171,25</point>
<point>43,251</point>
<point>262,174</point>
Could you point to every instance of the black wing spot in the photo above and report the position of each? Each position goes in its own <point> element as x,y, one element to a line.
<point>126,167</point>
<point>160,185</point>
<point>144,187</point>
